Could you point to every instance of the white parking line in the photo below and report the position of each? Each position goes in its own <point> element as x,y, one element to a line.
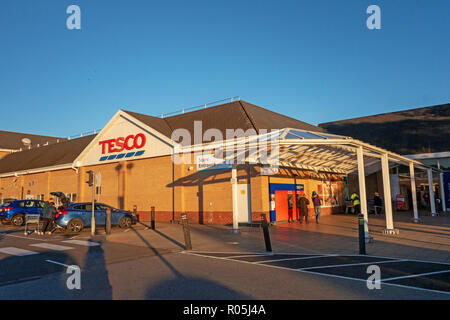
<point>231,253</point>
<point>322,274</point>
<point>350,264</point>
<point>416,275</point>
<point>300,258</point>
<point>58,263</point>
<point>51,246</point>
<point>83,243</point>
<point>249,255</point>
<point>28,238</point>
<point>17,252</point>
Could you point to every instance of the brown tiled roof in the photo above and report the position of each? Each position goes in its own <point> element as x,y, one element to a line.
<point>45,156</point>
<point>420,130</point>
<point>233,115</point>
<point>13,140</point>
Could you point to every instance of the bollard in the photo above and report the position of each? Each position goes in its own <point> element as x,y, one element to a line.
<point>108,221</point>
<point>152,218</point>
<point>135,213</point>
<point>186,231</point>
<point>265,227</point>
<point>362,237</point>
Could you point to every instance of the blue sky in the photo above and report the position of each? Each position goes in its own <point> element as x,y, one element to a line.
<point>312,60</point>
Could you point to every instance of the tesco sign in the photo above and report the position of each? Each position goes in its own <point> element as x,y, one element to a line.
<point>119,144</point>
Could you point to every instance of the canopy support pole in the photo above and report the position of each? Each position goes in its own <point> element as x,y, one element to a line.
<point>234,188</point>
<point>362,191</point>
<point>441,187</point>
<point>413,193</point>
<point>431,190</point>
<point>387,196</point>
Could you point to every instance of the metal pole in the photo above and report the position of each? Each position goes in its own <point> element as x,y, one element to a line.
<point>362,190</point>
<point>413,192</point>
<point>152,218</point>
<point>442,188</point>
<point>387,194</point>
<point>93,206</point>
<point>108,221</point>
<point>187,232</point>
<point>362,242</point>
<point>431,190</point>
<point>235,199</point>
<point>265,227</point>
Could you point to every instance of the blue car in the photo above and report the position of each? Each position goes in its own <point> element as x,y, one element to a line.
<point>76,216</point>
<point>14,211</point>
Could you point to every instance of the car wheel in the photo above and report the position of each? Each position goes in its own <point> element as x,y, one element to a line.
<point>4,221</point>
<point>74,226</point>
<point>125,222</point>
<point>17,220</point>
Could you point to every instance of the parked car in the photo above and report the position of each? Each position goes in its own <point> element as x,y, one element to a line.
<point>75,216</point>
<point>14,212</point>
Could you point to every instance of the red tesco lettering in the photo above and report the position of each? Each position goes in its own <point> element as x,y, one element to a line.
<point>129,143</point>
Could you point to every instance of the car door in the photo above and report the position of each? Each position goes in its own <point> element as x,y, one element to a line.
<point>29,207</point>
<point>100,214</point>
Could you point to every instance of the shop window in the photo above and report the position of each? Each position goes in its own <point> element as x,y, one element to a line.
<point>328,194</point>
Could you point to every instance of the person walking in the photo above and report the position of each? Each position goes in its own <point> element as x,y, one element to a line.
<point>316,202</point>
<point>48,215</point>
<point>377,203</point>
<point>290,208</point>
<point>303,205</point>
<point>356,203</point>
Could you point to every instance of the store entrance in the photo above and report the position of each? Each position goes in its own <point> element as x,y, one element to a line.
<point>284,201</point>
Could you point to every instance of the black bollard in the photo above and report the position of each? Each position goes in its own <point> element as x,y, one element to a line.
<point>186,231</point>
<point>108,221</point>
<point>265,227</point>
<point>362,237</point>
<point>135,213</point>
<point>152,218</point>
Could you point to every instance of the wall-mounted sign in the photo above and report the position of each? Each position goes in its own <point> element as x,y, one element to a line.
<point>120,144</point>
<point>209,162</point>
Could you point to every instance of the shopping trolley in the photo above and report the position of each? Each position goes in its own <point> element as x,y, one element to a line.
<point>32,219</point>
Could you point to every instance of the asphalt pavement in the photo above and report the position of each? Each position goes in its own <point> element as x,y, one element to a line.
<point>308,262</point>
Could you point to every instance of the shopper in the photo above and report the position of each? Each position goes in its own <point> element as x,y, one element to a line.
<point>377,203</point>
<point>48,215</point>
<point>303,205</point>
<point>356,203</point>
<point>290,208</point>
<point>316,202</point>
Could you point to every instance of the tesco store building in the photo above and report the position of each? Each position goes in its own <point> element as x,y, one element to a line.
<point>133,154</point>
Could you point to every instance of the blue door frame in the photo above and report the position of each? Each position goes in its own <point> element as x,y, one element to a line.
<point>282,187</point>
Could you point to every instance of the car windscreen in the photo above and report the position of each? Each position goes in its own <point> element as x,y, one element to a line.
<point>6,204</point>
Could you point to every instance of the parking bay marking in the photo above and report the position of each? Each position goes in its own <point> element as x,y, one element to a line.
<point>416,275</point>
<point>299,258</point>
<point>306,270</point>
<point>58,263</point>
<point>350,264</point>
<point>83,243</point>
<point>51,246</point>
<point>17,252</point>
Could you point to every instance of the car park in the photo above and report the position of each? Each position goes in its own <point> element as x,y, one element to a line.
<point>14,211</point>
